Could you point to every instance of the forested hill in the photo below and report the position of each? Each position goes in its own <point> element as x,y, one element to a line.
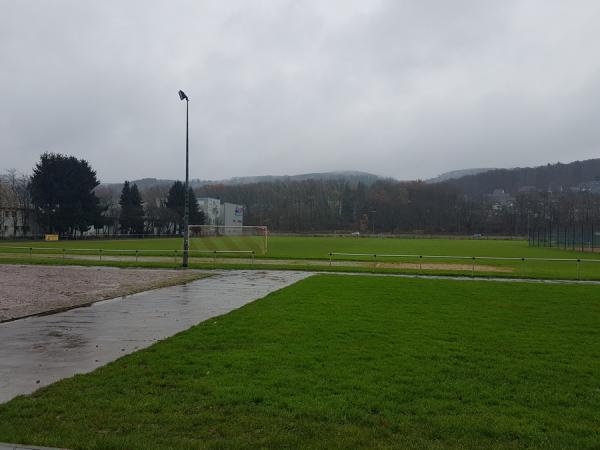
<point>555,177</point>
<point>456,174</point>
<point>348,176</point>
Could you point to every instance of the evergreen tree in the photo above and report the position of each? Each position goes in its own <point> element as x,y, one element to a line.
<point>176,202</point>
<point>196,214</point>
<point>62,191</point>
<point>132,211</point>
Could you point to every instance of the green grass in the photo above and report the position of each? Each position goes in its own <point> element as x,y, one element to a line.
<point>347,362</point>
<point>298,247</point>
<point>318,248</point>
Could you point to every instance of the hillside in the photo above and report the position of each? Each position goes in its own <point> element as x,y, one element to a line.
<point>351,176</point>
<point>553,177</point>
<point>454,174</point>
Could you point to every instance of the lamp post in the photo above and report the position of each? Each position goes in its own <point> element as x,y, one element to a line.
<point>186,207</point>
<point>373,217</point>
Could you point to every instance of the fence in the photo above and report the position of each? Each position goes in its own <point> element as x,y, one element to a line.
<point>472,259</point>
<point>584,238</point>
<point>100,252</point>
<point>375,257</point>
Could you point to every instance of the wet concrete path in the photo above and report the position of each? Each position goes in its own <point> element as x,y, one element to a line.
<point>38,351</point>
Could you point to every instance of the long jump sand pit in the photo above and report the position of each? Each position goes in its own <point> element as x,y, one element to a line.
<point>29,290</point>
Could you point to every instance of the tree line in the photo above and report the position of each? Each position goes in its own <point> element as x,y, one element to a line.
<point>389,206</point>
<point>67,199</point>
<point>62,193</point>
<point>553,177</point>
<point>162,214</point>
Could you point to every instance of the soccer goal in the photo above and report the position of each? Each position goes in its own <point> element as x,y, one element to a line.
<point>229,238</point>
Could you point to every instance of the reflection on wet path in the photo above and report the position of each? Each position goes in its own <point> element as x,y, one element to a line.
<point>37,351</point>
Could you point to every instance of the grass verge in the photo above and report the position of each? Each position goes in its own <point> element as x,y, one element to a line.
<point>347,362</point>
<point>535,271</point>
<point>315,251</point>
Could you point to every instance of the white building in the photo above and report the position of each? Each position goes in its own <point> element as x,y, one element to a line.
<point>217,213</point>
<point>231,215</point>
<point>211,207</point>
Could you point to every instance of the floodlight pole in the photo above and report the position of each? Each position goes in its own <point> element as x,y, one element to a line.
<point>186,207</point>
<point>373,217</point>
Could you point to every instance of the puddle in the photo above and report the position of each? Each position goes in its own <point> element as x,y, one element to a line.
<point>38,351</point>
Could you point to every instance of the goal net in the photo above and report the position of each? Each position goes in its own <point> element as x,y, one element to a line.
<point>229,238</point>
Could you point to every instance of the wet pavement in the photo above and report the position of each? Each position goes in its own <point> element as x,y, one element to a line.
<point>23,447</point>
<point>38,351</point>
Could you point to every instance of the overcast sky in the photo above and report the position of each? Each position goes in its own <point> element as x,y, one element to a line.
<point>407,89</point>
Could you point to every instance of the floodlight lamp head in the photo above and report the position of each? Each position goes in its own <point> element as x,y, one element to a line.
<point>182,96</point>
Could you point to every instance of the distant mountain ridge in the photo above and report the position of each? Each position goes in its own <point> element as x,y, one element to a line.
<point>352,176</point>
<point>454,174</point>
<point>475,181</point>
<point>358,176</point>
<point>551,177</point>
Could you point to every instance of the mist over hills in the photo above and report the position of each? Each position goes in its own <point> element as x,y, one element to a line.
<point>350,176</point>
<point>454,174</point>
<point>474,181</point>
<point>551,177</point>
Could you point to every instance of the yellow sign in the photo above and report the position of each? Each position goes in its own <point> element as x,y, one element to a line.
<point>52,237</point>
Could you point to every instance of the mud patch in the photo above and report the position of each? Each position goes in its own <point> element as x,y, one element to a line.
<point>28,290</point>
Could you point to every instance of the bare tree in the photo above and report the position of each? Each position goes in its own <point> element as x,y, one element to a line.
<point>15,201</point>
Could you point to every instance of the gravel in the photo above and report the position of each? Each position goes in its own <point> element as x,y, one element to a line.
<point>29,290</point>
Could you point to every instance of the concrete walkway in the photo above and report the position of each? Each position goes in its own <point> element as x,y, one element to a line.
<point>38,351</point>
<point>23,447</point>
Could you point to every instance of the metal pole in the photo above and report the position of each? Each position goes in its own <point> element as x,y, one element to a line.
<point>186,208</point>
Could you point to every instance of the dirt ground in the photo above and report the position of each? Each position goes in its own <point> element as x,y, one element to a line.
<point>28,290</point>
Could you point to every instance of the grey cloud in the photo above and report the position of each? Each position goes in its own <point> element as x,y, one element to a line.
<point>401,88</point>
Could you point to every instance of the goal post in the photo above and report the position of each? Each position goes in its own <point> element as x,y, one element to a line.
<point>229,238</point>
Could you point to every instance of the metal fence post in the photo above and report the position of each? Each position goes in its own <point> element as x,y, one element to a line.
<point>330,256</point>
<point>421,263</point>
<point>136,256</point>
<point>578,262</point>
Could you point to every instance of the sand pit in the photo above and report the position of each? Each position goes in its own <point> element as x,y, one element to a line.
<point>28,290</point>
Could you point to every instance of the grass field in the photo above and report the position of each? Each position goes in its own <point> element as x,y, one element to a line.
<point>347,362</point>
<point>298,247</point>
<point>318,248</point>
